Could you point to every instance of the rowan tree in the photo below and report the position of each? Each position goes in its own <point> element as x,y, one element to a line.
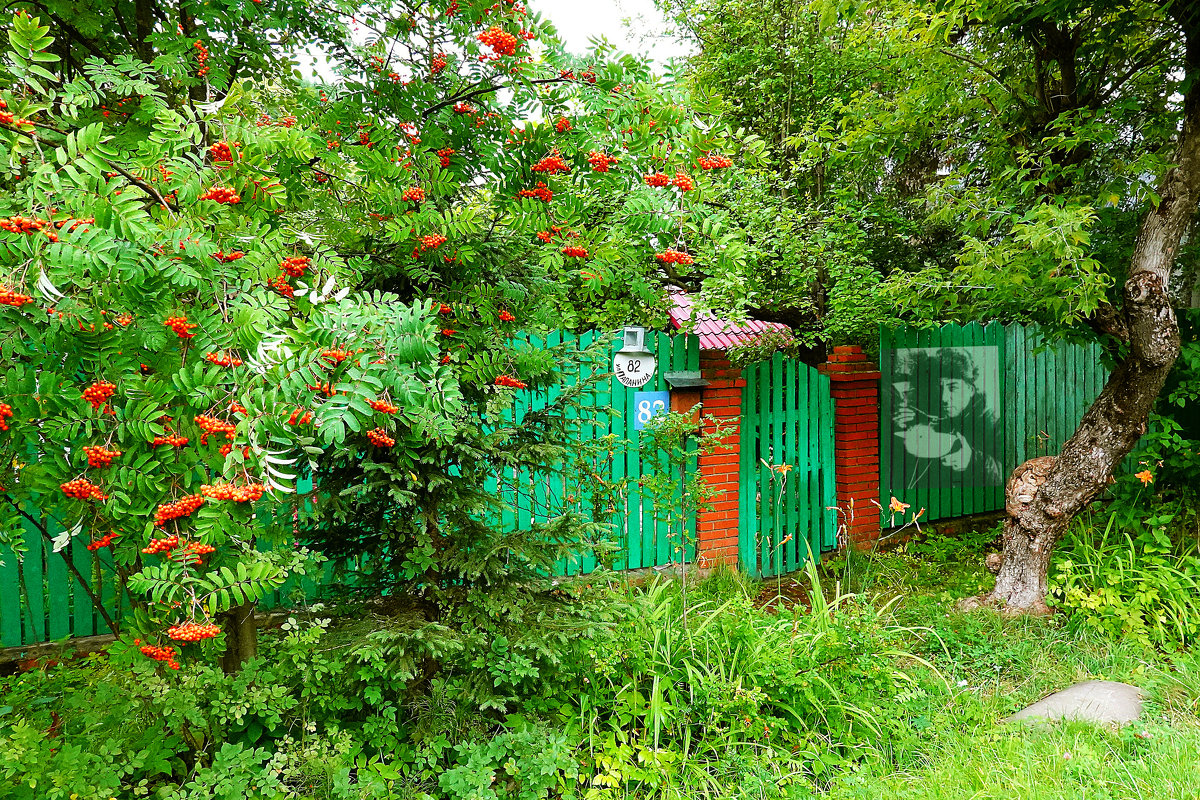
<point>213,291</point>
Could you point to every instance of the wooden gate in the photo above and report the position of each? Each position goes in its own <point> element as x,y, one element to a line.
<point>787,467</point>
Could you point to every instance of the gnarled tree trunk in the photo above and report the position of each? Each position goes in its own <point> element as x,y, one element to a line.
<point>1044,495</point>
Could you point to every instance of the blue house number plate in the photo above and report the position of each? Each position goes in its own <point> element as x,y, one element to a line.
<point>648,405</point>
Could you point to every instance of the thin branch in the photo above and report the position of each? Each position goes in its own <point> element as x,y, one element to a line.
<point>429,112</point>
<point>96,604</point>
<point>136,181</point>
<point>968,60</point>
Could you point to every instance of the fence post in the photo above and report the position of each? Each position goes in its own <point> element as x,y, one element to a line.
<point>854,386</point>
<point>717,529</point>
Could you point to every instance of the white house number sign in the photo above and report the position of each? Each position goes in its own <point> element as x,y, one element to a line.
<point>634,369</point>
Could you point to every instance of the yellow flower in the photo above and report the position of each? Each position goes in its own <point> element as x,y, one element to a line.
<point>1145,476</point>
<point>897,507</point>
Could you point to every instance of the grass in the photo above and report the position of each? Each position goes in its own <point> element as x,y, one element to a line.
<point>998,665</point>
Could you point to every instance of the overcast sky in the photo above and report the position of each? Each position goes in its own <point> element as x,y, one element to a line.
<point>579,20</point>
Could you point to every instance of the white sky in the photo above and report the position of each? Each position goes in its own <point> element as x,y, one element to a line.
<point>634,26</point>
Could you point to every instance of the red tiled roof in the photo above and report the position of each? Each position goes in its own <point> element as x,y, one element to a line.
<point>716,333</point>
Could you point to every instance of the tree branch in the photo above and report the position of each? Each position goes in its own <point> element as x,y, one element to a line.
<point>429,112</point>
<point>96,604</point>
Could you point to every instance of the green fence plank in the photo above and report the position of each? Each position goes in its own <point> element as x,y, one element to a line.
<point>34,586</point>
<point>10,600</point>
<point>748,434</point>
<point>83,618</point>
<point>58,590</point>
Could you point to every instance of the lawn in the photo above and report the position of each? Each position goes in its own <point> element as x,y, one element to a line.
<point>873,686</point>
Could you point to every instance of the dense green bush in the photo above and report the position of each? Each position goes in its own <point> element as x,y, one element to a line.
<point>1135,575</point>
<point>618,694</point>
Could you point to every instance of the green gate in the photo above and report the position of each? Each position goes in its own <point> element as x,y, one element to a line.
<point>787,475</point>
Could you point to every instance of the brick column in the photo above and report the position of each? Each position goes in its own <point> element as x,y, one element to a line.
<point>855,391</point>
<point>717,530</point>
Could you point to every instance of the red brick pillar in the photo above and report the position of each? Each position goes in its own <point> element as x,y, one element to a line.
<point>717,530</point>
<point>855,390</point>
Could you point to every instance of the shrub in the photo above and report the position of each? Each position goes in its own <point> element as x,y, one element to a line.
<point>1136,577</point>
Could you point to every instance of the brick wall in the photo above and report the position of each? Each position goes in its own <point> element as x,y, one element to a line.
<point>717,530</point>
<point>855,388</point>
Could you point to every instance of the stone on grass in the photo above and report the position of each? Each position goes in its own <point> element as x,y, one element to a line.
<point>1101,702</point>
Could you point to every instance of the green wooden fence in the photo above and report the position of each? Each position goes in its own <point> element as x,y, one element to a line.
<point>962,406</point>
<point>787,467</point>
<point>40,600</point>
<point>643,539</point>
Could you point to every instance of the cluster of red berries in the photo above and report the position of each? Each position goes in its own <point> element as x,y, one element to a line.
<point>201,58</point>
<point>221,151</point>
<point>238,494</point>
<point>506,317</point>
<point>300,417</point>
<point>222,194</point>
<point>124,320</point>
<point>103,541</point>
<point>379,438</point>
<point>551,165</point>
<point>213,425</point>
<point>296,265</point>
<point>100,457</point>
<point>326,388</point>
<point>98,393</point>
<point>29,226</point>
<point>223,359</point>
<point>432,240</point>
<point>512,383</point>
<point>192,552</point>
<point>159,653</point>
<point>445,309</point>
<point>164,545</point>
<point>336,355</point>
<point>563,125</point>
<point>383,406</point>
<point>170,439</point>
<point>674,257</point>
<point>439,63</point>
<point>683,182</point>
<point>548,236</point>
<point>501,42</point>
<point>6,412</point>
<point>192,632</point>
<point>601,161</point>
<point>184,506</point>
<point>83,489</point>
<point>714,162</point>
<point>658,179</point>
<point>444,154</point>
<point>464,108</point>
<point>280,284</point>
<point>541,192</point>
<point>574,250</point>
<point>225,258</point>
<point>413,194</point>
<point>181,326</point>
<point>11,297</point>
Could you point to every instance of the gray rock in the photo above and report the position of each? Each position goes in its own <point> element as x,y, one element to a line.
<point>1101,702</point>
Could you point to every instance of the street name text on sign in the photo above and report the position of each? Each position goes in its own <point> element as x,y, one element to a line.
<point>634,369</point>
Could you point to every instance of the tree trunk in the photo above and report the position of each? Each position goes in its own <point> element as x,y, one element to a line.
<point>241,637</point>
<point>1044,495</point>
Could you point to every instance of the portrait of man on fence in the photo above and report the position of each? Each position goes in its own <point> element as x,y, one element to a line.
<point>943,403</point>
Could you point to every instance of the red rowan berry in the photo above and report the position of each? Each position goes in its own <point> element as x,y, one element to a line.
<point>379,438</point>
